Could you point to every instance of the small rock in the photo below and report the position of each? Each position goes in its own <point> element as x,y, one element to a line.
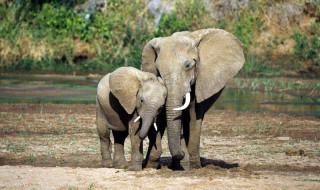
<point>298,82</point>
<point>283,138</point>
<point>93,76</point>
<point>216,131</point>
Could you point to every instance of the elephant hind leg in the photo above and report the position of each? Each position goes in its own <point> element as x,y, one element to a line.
<point>104,137</point>
<point>119,160</point>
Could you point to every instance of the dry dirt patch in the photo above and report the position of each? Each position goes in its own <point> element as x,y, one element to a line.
<point>49,146</point>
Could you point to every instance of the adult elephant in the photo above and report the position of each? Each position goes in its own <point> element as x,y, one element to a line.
<point>195,66</point>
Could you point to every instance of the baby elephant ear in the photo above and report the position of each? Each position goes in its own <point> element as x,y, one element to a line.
<point>220,58</point>
<point>124,85</point>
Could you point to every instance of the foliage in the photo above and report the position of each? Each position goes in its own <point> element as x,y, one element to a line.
<point>52,35</point>
<point>307,46</point>
<point>246,25</point>
<point>60,21</point>
<point>188,15</point>
<point>114,39</point>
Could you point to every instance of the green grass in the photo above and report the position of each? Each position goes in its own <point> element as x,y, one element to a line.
<point>72,120</point>
<point>16,148</point>
<point>71,142</point>
<point>31,158</point>
<point>270,84</point>
<point>91,187</point>
<point>92,148</point>
<point>312,179</point>
<point>262,127</point>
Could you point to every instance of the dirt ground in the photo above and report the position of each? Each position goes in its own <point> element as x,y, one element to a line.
<point>55,146</point>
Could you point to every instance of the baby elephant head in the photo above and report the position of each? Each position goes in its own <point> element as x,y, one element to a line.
<point>140,91</point>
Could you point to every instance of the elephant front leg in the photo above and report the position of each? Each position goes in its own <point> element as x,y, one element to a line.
<point>154,150</point>
<point>195,124</point>
<point>183,164</point>
<point>119,160</point>
<point>136,148</point>
<point>194,144</point>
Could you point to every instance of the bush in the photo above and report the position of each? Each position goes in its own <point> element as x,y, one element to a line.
<point>49,35</point>
<point>307,45</point>
<point>117,37</point>
<point>188,15</point>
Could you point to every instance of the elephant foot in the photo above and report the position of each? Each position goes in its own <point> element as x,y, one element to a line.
<point>152,164</point>
<point>106,163</point>
<point>120,164</point>
<point>135,167</point>
<point>195,163</point>
<point>185,165</point>
<point>178,165</point>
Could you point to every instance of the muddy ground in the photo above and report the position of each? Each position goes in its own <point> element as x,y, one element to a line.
<point>55,146</point>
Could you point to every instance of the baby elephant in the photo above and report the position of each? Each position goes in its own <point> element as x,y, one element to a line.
<point>125,96</point>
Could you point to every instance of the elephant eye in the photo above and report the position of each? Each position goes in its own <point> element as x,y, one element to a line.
<point>190,64</point>
<point>158,73</point>
<point>156,52</point>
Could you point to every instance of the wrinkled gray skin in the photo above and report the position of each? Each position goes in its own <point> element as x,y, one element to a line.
<point>121,96</point>
<point>199,62</point>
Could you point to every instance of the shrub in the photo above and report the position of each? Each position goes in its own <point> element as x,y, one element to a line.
<point>44,35</point>
<point>188,15</point>
<point>307,45</point>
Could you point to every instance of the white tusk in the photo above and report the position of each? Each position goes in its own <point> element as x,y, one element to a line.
<point>155,126</point>
<point>186,103</point>
<point>137,119</point>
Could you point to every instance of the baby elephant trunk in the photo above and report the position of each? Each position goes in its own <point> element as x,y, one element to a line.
<point>147,121</point>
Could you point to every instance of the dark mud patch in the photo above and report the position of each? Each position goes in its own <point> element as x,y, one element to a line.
<point>83,160</point>
<point>209,171</point>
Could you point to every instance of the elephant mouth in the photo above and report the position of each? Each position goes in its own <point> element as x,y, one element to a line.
<point>154,122</point>
<point>137,119</point>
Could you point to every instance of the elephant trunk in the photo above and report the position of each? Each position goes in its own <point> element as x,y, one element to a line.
<point>174,125</point>
<point>147,121</point>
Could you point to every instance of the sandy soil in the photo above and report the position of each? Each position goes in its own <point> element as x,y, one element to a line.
<point>55,146</point>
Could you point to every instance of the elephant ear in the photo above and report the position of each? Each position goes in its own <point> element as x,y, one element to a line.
<point>220,58</point>
<point>149,57</point>
<point>124,85</point>
<point>182,33</point>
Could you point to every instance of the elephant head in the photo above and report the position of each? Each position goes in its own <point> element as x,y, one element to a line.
<point>205,58</point>
<point>140,91</point>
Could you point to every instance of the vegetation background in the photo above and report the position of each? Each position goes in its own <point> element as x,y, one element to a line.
<point>280,37</point>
